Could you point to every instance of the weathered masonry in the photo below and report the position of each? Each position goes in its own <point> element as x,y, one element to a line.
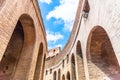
<point>22,40</point>
<point>91,53</point>
<point>93,50</point>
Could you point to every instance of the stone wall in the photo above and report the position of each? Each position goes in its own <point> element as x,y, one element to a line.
<point>98,34</point>
<point>19,46</point>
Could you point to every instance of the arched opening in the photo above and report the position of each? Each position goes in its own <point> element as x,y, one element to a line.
<point>46,72</point>
<point>50,71</point>
<point>54,76</point>
<point>38,65</point>
<point>80,64</point>
<point>67,58</point>
<point>101,56</point>
<point>68,76</point>
<point>86,6</point>
<point>63,63</point>
<point>10,58</point>
<point>59,74</point>
<point>86,9</point>
<point>78,50</point>
<point>15,63</point>
<point>73,71</point>
<point>63,77</point>
<point>43,68</point>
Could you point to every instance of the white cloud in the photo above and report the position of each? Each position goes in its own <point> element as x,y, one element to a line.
<point>65,11</point>
<point>54,36</point>
<point>45,1</point>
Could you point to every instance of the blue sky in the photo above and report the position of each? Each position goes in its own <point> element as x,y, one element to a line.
<point>58,17</point>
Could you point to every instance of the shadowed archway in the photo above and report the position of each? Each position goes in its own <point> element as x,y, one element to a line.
<point>38,64</point>
<point>54,75</point>
<point>80,65</point>
<point>68,76</point>
<point>59,74</point>
<point>16,61</point>
<point>63,77</point>
<point>73,69</point>
<point>101,56</point>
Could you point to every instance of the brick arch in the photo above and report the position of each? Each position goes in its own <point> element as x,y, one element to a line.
<point>78,50</point>
<point>54,75</point>
<point>59,74</point>
<point>79,58</point>
<point>73,67</point>
<point>101,56</point>
<point>43,67</point>
<point>63,77</point>
<point>9,60</point>
<point>38,68</point>
<point>68,75</point>
<point>15,63</point>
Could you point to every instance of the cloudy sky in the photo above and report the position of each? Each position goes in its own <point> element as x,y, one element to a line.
<point>58,17</point>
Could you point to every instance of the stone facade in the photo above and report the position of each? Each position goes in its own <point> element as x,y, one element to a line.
<point>23,43</point>
<point>53,52</point>
<point>92,51</point>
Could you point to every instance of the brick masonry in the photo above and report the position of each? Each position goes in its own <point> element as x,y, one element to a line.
<point>91,53</point>
<point>98,58</point>
<point>22,41</point>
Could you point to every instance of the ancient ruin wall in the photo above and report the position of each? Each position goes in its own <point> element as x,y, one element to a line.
<point>28,14</point>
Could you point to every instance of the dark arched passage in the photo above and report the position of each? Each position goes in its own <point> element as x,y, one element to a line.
<point>78,50</point>
<point>43,67</point>
<point>68,76</point>
<point>73,71</point>
<point>80,65</point>
<point>39,62</point>
<point>101,56</point>
<point>63,77</point>
<point>54,75</point>
<point>16,61</point>
<point>59,74</point>
<point>12,53</point>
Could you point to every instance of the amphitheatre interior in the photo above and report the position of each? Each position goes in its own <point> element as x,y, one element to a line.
<point>91,53</point>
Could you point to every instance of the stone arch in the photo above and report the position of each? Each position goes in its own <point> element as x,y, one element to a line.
<point>46,72</point>
<point>78,50</point>
<point>43,67</point>
<point>73,69</point>
<point>54,75</point>
<point>38,68</point>
<point>101,56</point>
<point>63,77</point>
<point>63,63</point>
<point>50,70</point>
<point>68,75</point>
<point>59,74</point>
<point>86,6</point>
<point>15,63</point>
<point>86,9</point>
<point>67,58</point>
<point>80,64</point>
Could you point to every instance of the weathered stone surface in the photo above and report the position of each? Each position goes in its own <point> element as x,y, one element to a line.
<point>22,40</point>
<point>92,52</point>
<point>97,56</point>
